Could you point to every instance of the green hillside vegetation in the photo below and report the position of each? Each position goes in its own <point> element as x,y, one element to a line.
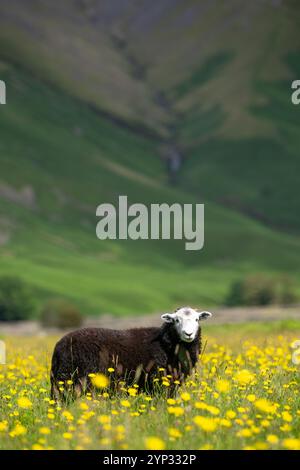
<point>90,106</point>
<point>53,244</point>
<point>86,66</point>
<point>257,176</point>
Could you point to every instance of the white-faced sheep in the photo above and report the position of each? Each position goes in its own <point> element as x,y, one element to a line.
<point>136,354</point>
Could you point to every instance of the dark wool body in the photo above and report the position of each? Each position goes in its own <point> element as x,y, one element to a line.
<point>135,354</point>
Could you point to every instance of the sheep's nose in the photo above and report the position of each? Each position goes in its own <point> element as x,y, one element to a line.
<point>188,334</point>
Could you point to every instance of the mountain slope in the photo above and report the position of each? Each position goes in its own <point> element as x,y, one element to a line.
<point>210,81</point>
<point>58,162</point>
<point>57,43</point>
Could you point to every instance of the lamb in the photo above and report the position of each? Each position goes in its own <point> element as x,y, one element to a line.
<point>136,355</point>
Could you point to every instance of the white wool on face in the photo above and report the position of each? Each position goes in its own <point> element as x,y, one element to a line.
<point>186,321</point>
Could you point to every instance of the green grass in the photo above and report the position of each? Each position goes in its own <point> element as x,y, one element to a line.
<point>258,410</point>
<point>255,328</point>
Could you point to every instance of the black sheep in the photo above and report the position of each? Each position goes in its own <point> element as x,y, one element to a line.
<point>136,354</point>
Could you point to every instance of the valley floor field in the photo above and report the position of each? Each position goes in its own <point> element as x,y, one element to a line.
<point>244,395</point>
<point>221,316</point>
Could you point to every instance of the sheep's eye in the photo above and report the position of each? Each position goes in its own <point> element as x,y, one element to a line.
<point>177,320</point>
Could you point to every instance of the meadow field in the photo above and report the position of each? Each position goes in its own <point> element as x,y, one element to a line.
<point>244,395</point>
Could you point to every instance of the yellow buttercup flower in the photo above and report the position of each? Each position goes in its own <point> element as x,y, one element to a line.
<point>244,377</point>
<point>286,416</point>
<point>265,405</point>
<point>24,402</point>
<point>291,444</point>
<point>154,443</point>
<point>37,447</point>
<point>171,401</point>
<point>225,422</point>
<point>83,406</point>
<point>251,397</point>
<point>176,410</point>
<point>272,439</point>
<point>125,403</point>
<point>260,445</point>
<point>18,430</point>
<point>210,408</point>
<point>3,426</point>
<point>207,424</point>
<point>44,430</point>
<point>104,419</point>
<point>185,396</point>
<point>206,447</point>
<point>99,380</point>
<point>223,385</point>
<point>244,433</point>
<point>66,414</point>
<point>175,433</point>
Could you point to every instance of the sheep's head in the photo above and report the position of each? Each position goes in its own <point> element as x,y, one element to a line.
<point>186,321</point>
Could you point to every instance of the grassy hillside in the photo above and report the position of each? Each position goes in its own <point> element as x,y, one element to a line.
<point>213,78</point>
<point>225,69</point>
<point>255,175</point>
<point>95,91</point>
<point>58,43</point>
<point>72,160</point>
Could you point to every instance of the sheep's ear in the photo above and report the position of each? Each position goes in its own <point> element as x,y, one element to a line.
<point>168,317</point>
<point>204,315</point>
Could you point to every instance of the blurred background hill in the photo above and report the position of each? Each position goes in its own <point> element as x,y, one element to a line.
<point>169,101</point>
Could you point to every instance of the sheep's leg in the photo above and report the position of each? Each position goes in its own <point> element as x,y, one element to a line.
<point>77,391</point>
<point>54,393</point>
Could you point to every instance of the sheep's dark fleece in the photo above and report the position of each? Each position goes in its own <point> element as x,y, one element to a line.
<point>135,354</point>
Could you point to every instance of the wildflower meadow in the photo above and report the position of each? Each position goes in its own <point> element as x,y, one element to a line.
<point>244,395</point>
